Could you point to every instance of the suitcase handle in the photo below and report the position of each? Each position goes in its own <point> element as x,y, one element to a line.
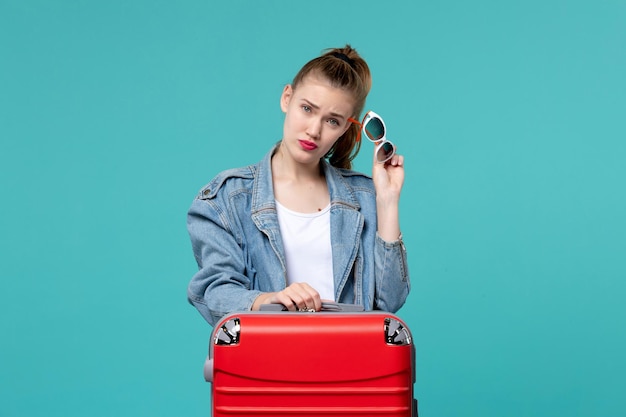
<point>326,306</point>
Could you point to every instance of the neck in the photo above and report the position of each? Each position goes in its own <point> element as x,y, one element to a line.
<point>299,187</point>
<point>286,168</point>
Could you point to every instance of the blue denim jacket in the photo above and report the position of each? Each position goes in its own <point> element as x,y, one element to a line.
<point>237,244</point>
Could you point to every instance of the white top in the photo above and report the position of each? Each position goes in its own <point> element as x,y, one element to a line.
<point>308,251</point>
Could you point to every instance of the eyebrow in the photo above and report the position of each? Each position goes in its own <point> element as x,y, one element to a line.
<point>315,106</point>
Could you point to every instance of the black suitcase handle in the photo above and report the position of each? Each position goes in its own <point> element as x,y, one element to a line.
<point>326,306</point>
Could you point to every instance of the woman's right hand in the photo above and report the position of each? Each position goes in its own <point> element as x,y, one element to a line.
<point>297,296</point>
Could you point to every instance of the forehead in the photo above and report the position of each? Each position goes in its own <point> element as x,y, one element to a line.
<point>320,93</point>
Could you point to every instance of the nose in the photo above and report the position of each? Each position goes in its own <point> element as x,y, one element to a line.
<point>314,128</point>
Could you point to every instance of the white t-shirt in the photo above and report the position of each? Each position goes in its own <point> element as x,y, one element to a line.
<point>308,251</point>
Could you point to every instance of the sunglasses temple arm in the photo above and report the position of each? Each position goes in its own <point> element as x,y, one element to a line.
<point>356,122</point>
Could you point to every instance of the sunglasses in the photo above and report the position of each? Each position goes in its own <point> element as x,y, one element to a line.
<point>374,128</point>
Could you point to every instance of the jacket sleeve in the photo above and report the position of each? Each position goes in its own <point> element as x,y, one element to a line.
<point>220,286</point>
<point>392,275</point>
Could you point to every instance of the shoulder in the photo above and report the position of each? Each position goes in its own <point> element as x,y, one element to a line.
<point>228,181</point>
<point>352,188</point>
<point>354,179</point>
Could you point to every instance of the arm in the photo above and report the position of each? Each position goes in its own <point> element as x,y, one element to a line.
<point>221,285</point>
<point>392,282</point>
<point>388,180</point>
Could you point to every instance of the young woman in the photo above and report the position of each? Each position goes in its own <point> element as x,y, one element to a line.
<point>300,227</point>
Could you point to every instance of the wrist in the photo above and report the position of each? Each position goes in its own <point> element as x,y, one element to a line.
<point>388,222</point>
<point>387,199</point>
<point>263,298</point>
<point>390,236</point>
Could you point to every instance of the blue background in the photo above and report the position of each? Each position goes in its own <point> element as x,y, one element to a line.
<point>511,115</point>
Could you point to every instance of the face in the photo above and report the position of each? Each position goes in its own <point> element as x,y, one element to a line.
<point>316,115</point>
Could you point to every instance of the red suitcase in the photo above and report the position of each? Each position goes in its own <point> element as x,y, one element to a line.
<point>269,363</point>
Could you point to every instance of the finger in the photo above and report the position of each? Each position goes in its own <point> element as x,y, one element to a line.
<point>294,297</point>
<point>312,298</point>
<point>317,303</point>
<point>304,296</point>
<point>397,160</point>
<point>282,298</point>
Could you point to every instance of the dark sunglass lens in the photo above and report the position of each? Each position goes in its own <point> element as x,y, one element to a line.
<point>385,151</point>
<point>374,129</point>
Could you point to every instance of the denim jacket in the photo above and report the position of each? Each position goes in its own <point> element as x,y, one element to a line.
<point>237,244</point>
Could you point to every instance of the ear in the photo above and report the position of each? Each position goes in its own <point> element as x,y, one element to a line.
<point>285,97</point>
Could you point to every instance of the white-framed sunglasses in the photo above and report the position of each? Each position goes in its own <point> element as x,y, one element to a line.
<point>375,130</point>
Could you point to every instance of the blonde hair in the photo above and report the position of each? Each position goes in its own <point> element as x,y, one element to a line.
<point>343,68</point>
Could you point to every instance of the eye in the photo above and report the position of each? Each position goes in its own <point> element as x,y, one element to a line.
<point>306,108</point>
<point>333,122</point>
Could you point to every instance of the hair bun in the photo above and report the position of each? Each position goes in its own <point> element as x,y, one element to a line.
<point>344,58</point>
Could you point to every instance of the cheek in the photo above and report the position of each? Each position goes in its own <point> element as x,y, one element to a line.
<point>331,137</point>
<point>289,122</point>
<point>292,119</point>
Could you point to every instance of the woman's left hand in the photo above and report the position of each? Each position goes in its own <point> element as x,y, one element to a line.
<point>388,179</point>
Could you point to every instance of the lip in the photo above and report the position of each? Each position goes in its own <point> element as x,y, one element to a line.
<point>307,145</point>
